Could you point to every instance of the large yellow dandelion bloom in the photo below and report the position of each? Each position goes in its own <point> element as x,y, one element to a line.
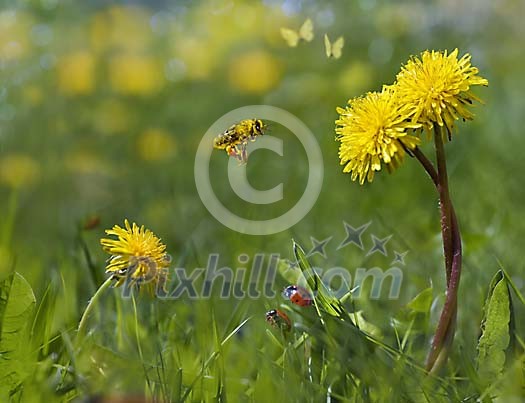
<point>137,255</point>
<point>437,88</point>
<point>373,130</point>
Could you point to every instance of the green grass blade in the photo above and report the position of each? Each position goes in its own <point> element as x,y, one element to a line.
<point>323,297</point>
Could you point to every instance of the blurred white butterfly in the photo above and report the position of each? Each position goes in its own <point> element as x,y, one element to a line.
<point>305,33</point>
<point>334,49</point>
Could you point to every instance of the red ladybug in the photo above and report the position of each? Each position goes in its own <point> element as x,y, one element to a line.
<point>298,295</point>
<point>278,319</point>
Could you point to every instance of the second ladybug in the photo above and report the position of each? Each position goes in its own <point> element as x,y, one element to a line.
<point>279,320</point>
<point>298,295</point>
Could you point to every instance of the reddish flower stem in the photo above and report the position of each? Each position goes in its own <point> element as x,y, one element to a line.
<point>453,253</point>
<point>445,204</point>
<point>446,326</point>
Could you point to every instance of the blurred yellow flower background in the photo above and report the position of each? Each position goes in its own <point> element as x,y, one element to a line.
<point>76,73</point>
<point>103,106</point>
<point>15,27</point>
<point>86,162</point>
<point>254,72</point>
<point>134,74</point>
<point>121,27</point>
<point>18,170</point>
<point>155,145</point>
<point>111,116</point>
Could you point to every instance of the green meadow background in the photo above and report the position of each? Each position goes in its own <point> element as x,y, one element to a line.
<point>102,108</point>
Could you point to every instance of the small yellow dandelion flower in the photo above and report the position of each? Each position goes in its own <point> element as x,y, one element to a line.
<point>437,88</point>
<point>373,130</point>
<point>138,255</point>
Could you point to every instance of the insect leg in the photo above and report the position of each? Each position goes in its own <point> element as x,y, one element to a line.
<point>232,151</point>
<point>243,154</point>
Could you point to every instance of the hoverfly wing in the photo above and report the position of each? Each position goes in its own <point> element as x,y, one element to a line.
<point>243,154</point>
<point>239,153</point>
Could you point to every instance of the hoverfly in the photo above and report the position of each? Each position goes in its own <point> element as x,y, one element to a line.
<point>235,139</point>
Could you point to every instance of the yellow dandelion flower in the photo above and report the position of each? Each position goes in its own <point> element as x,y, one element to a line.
<point>373,130</point>
<point>437,88</point>
<point>137,254</point>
